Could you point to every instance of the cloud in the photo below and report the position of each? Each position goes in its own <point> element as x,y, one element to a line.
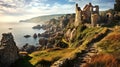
<point>103,4</point>
<point>25,9</point>
<point>3,4</point>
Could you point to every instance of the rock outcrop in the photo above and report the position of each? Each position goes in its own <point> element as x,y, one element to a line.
<point>8,50</point>
<point>70,34</point>
<point>28,48</point>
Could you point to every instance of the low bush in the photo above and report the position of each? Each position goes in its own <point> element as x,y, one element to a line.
<point>103,60</point>
<point>110,43</point>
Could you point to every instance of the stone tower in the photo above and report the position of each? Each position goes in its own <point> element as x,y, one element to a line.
<point>117,5</point>
<point>78,17</point>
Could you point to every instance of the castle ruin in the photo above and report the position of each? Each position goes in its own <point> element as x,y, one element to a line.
<point>89,13</point>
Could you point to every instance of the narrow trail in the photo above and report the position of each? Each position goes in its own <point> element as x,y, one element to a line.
<point>85,56</point>
<point>91,50</point>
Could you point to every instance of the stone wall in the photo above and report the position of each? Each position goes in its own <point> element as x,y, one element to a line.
<point>83,16</point>
<point>94,19</point>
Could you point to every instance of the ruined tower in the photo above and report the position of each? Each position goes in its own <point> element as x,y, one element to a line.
<point>117,5</point>
<point>89,14</point>
<point>94,19</point>
<point>96,9</point>
<point>78,17</point>
<point>95,15</point>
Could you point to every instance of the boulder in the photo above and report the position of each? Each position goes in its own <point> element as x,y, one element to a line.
<point>37,27</point>
<point>27,36</point>
<point>35,36</point>
<point>43,41</point>
<point>28,48</point>
<point>39,35</point>
<point>9,52</point>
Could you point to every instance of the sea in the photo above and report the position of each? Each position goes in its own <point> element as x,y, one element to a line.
<point>19,30</point>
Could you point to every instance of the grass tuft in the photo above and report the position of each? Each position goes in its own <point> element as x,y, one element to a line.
<point>103,60</point>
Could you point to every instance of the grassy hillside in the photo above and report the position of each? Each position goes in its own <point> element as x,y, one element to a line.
<point>111,43</point>
<point>109,48</point>
<point>107,40</point>
<point>84,38</point>
<point>104,60</point>
<point>42,19</point>
<point>43,58</point>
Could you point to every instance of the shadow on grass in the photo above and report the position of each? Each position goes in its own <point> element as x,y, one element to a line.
<point>23,62</point>
<point>43,63</point>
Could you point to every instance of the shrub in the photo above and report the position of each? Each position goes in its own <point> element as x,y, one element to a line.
<point>103,60</point>
<point>110,43</point>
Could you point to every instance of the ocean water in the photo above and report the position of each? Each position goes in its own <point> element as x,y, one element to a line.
<point>19,30</point>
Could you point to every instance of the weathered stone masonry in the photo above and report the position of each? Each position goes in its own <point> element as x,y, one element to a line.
<point>89,13</point>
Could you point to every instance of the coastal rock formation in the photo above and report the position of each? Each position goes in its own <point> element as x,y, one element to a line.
<point>43,42</point>
<point>67,34</point>
<point>28,48</point>
<point>63,22</point>
<point>35,36</point>
<point>37,27</point>
<point>27,36</point>
<point>8,50</point>
<point>70,34</point>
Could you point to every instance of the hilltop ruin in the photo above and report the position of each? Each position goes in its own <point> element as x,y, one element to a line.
<point>89,13</point>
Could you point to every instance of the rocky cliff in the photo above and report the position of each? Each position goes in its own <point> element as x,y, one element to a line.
<point>8,50</point>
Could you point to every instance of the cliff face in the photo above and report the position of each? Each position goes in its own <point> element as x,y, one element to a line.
<point>8,50</point>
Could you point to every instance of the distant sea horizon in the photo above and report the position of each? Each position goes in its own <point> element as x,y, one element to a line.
<point>19,30</point>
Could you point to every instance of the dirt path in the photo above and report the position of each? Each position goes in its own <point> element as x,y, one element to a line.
<point>91,50</point>
<point>85,56</point>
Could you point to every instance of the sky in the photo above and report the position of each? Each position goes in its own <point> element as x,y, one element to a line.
<point>15,10</point>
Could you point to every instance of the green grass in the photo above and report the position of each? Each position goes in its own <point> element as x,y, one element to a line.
<point>87,35</point>
<point>43,58</point>
<point>103,60</point>
<point>83,38</point>
<point>82,35</point>
<point>48,55</point>
<point>110,43</point>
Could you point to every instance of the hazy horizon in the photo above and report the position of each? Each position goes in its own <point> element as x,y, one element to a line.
<point>15,10</point>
